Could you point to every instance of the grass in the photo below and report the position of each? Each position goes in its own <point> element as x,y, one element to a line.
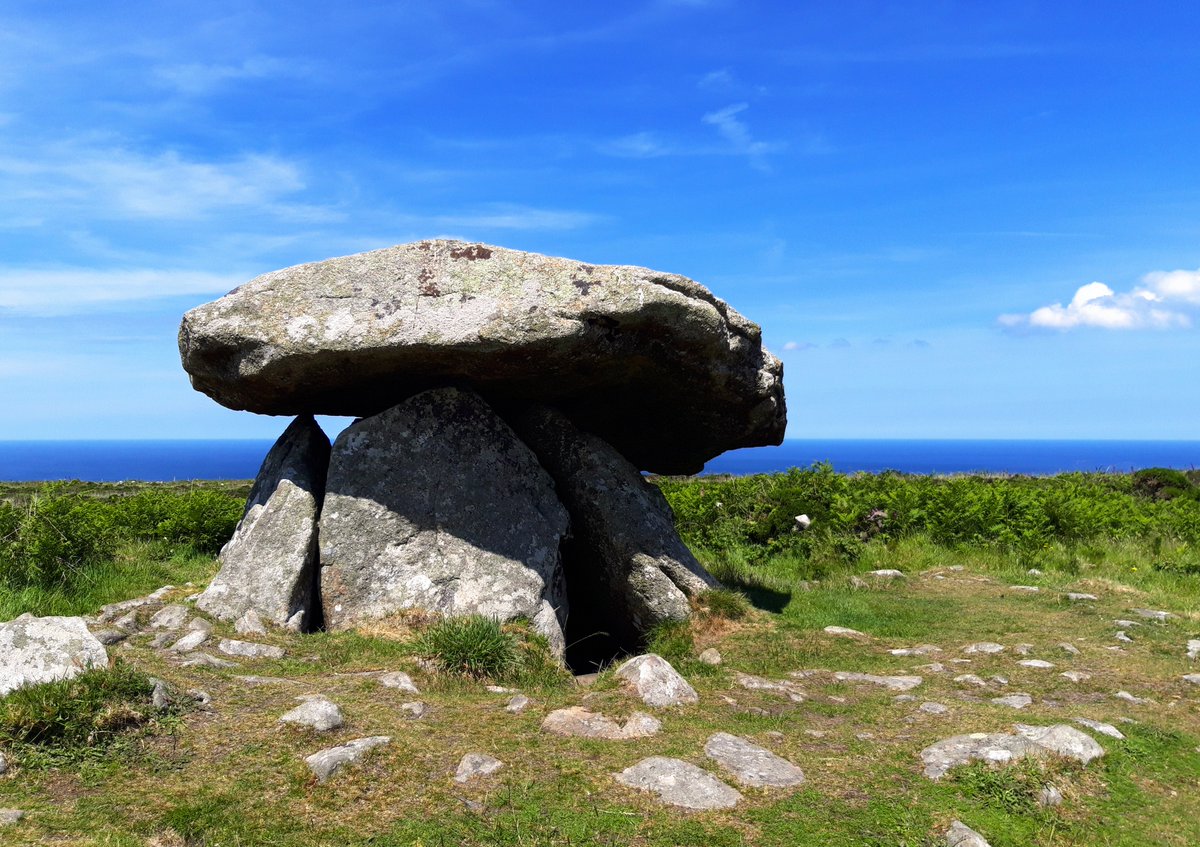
<point>233,776</point>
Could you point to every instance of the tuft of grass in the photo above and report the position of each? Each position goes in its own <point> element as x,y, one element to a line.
<point>672,640</point>
<point>472,645</point>
<point>74,719</point>
<point>723,603</point>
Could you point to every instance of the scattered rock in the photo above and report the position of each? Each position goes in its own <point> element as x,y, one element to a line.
<point>127,622</point>
<point>858,582</point>
<point>251,679</point>
<point>250,623</point>
<point>1129,698</point>
<point>35,650</point>
<point>893,683</point>
<point>904,698</point>
<point>997,747</point>
<point>1076,676</point>
<point>1015,701</point>
<point>1034,572</point>
<point>1127,624</point>
<point>3,765</point>
<point>750,764</point>
<point>1040,664</point>
<point>316,713</point>
<point>170,617</point>
<point>163,639</point>
<point>398,680</point>
<point>114,610</point>
<point>932,667</point>
<point>8,817</point>
<point>1026,588</point>
<point>757,683</point>
<point>1023,649</point>
<point>961,835</point>
<point>933,708</point>
<point>887,573</point>
<point>1063,740</point>
<point>204,660</point>
<point>436,504</point>
<point>269,565</point>
<point>1193,648</point>
<point>109,637</point>
<point>803,522</point>
<point>679,783</point>
<point>1193,678</point>
<point>249,649</point>
<point>1122,636</point>
<point>971,679</point>
<point>580,722</point>
<point>1102,728</point>
<point>326,762</point>
<point>919,650</point>
<point>499,689</point>
<point>710,656</point>
<point>517,704</point>
<point>1079,596</point>
<point>160,695</point>
<point>1152,614</point>
<point>1050,797</point>
<point>656,682</point>
<point>190,641</point>
<point>475,765</point>
<point>844,631</point>
<point>1070,649</point>
<point>1000,680</point>
<point>987,647</point>
<point>415,709</point>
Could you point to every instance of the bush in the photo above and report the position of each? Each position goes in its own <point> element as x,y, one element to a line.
<point>473,645</point>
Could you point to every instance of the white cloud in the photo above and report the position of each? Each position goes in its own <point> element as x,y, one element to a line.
<point>737,133</point>
<point>1161,302</point>
<point>198,78</point>
<point>798,345</point>
<point>640,145</point>
<point>61,291</point>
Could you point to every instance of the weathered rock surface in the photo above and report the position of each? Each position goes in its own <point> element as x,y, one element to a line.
<point>436,504</point>
<point>8,817</point>
<point>651,362</point>
<point>627,570</point>
<point>475,765</point>
<point>961,835</point>
<point>269,566</point>
<point>249,649</point>
<point>656,682</point>
<point>679,783</point>
<point>398,680</point>
<point>170,617</point>
<point>1101,727</point>
<point>892,683</point>
<point>577,721</point>
<point>1014,701</point>
<point>1001,748</point>
<point>750,764</point>
<point>35,650</point>
<point>1063,740</point>
<point>325,763</point>
<point>319,713</point>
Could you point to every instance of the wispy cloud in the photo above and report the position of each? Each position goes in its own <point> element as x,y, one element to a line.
<point>639,145</point>
<point>1163,301</point>
<point>59,291</point>
<point>737,133</point>
<point>509,217</point>
<point>196,78</point>
<point>795,346</point>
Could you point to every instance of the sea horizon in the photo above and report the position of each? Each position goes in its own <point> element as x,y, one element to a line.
<point>167,459</point>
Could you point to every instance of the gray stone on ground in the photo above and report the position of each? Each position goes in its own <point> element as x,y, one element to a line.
<point>415,709</point>
<point>1063,740</point>
<point>35,650</point>
<point>656,681</point>
<point>436,504</point>
<point>269,565</point>
<point>710,656</point>
<point>1101,727</point>
<point>190,641</point>
<point>887,573</point>
<point>1014,701</point>
<point>788,689</point>
<point>3,765</point>
<point>1153,614</point>
<point>934,708</point>
<point>627,568</point>
<point>205,660</point>
<point>1123,636</point>
<point>651,362</point>
<point>125,607</point>
<point>576,721</point>
<point>919,650</point>
<point>127,622</point>
<point>1193,648</point>
<point>679,783</point>
<point>1078,596</point>
<point>8,817</point>
<point>250,623</point>
<point>1193,678</point>
<point>844,631</point>
<point>249,649</point>
<point>517,704</point>
<point>1039,664</point>
<point>1132,698</point>
<point>1050,796</point>
<point>1028,589</point>
<point>961,835</point>
<point>109,637</point>
<point>971,679</point>
<point>1076,676</point>
<point>474,765</point>
<point>398,680</point>
<point>319,713</point>
<point>892,683</point>
<point>750,764</point>
<point>1068,648</point>
<point>986,647</point>
<point>160,694</point>
<point>995,748</point>
<point>325,763</point>
<point>170,617</point>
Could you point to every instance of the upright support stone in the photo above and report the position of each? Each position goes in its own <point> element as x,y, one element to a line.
<point>270,564</point>
<point>627,568</point>
<point>436,504</point>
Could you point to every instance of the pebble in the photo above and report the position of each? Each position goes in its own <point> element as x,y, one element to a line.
<point>517,704</point>
<point>1076,676</point>
<point>844,631</point>
<point>971,679</point>
<point>1034,572</point>
<point>933,708</point>
<point>1122,636</point>
<point>679,783</point>
<point>1102,728</point>
<point>1077,596</point>
<point>1129,698</point>
<point>988,647</point>
<point>892,683</point>
<point>398,680</point>
<point>711,656</point>
<point>474,765</point>
<point>1041,664</point>
<point>325,763</point>
<point>887,573</point>
<point>316,713</point>
<point>415,709</point>
<point>1069,648</point>
<point>8,817</point>
<point>1015,701</point>
<point>961,835</point>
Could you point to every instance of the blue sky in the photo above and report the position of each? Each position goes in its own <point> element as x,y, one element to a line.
<point>950,219</point>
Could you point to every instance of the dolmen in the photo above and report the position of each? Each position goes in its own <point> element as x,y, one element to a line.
<point>507,404</point>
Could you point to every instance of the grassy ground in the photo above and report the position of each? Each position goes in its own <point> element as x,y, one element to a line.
<point>232,775</point>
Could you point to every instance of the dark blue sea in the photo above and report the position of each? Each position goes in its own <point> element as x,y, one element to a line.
<point>165,461</point>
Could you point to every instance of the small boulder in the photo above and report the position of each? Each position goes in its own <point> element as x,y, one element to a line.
<point>1014,701</point>
<point>316,713</point>
<point>577,721</point>
<point>249,649</point>
<point>517,704</point>
<point>325,763</point>
<point>398,680</point>
<point>887,573</point>
<point>1049,797</point>
<point>190,641</point>
<point>961,835</point>
<point>474,765</point>
<point>985,647</point>
<point>35,650</point>
<point>892,683</point>
<point>1063,740</point>
<point>1193,648</point>
<point>679,783</point>
<point>8,817</point>
<point>415,709</point>
<point>711,656</point>
<point>1100,727</point>
<point>170,617</point>
<point>996,748</point>
<point>750,764</point>
<point>844,631</point>
<point>1076,676</point>
<point>656,682</point>
<point>1080,596</point>
<point>1040,664</point>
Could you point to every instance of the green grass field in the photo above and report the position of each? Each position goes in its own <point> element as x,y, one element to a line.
<point>230,774</point>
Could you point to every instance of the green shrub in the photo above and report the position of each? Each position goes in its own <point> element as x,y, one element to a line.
<point>473,645</point>
<point>672,640</point>
<point>65,720</point>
